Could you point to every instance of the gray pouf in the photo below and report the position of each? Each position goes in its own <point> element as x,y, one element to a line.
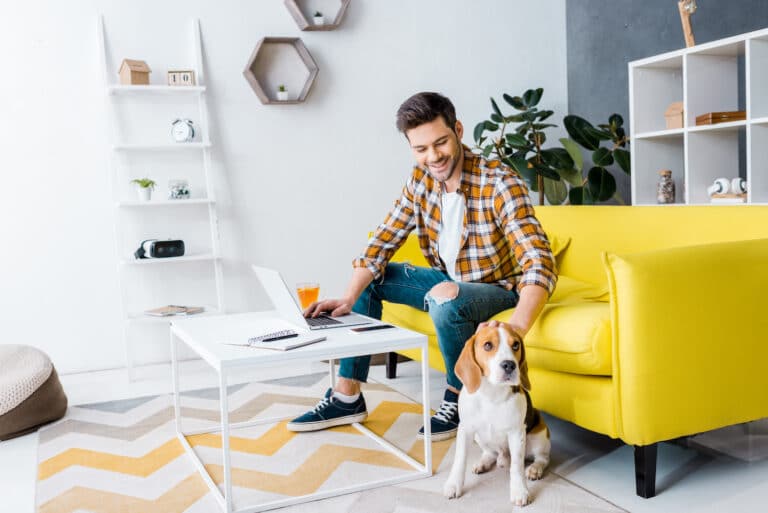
<point>30,391</point>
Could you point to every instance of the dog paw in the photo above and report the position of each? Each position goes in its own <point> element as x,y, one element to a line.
<point>534,471</point>
<point>451,490</point>
<point>503,460</point>
<point>520,497</point>
<point>482,467</point>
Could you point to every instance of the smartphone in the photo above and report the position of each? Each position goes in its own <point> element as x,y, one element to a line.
<point>363,329</point>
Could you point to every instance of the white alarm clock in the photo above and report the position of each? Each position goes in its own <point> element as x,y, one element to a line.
<point>182,130</point>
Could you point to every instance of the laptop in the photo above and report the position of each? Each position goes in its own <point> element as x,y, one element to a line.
<point>289,309</point>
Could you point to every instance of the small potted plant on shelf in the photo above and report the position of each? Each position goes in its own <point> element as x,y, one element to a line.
<point>318,18</point>
<point>282,94</point>
<point>144,188</point>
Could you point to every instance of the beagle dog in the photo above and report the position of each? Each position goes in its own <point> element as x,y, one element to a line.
<point>495,408</point>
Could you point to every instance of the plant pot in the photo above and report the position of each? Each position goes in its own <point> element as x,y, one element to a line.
<point>282,96</point>
<point>318,20</point>
<point>145,193</point>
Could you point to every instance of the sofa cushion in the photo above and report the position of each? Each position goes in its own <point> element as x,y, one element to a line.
<point>571,337</point>
<point>569,290</point>
<point>568,337</point>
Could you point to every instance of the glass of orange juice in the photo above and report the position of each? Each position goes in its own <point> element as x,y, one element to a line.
<point>308,293</point>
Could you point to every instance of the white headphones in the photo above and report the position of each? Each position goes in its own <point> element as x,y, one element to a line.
<point>724,186</point>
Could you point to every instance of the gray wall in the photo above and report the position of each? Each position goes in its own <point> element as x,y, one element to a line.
<point>604,35</point>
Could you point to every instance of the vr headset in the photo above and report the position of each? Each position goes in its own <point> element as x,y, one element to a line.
<point>154,248</point>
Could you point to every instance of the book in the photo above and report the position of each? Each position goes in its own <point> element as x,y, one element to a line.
<point>168,310</point>
<point>285,344</point>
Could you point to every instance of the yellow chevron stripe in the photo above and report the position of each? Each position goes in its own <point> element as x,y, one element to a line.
<point>307,479</point>
<point>176,500</point>
<point>267,444</point>
<point>141,466</point>
<point>380,421</point>
<point>311,474</point>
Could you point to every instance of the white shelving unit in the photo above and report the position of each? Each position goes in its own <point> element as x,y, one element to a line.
<point>726,75</point>
<point>162,218</point>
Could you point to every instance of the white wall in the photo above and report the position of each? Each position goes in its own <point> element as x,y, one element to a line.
<point>299,186</point>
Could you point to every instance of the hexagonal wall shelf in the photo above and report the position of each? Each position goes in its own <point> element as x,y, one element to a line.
<point>302,10</point>
<point>280,61</point>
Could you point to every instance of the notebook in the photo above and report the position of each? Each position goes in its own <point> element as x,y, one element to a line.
<point>285,344</point>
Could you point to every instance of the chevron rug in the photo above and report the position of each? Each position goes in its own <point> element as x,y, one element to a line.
<point>123,456</point>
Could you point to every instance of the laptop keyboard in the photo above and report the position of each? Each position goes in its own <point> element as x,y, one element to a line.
<point>322,320</point>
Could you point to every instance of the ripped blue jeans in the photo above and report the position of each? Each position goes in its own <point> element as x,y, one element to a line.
<point>455,319</point>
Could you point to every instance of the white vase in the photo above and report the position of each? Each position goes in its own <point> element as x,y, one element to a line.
<point>282,96</point>
<point>318,20</point>
<point>145,193</point>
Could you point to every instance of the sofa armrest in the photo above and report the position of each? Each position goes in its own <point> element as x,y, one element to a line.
<point>690,332</point>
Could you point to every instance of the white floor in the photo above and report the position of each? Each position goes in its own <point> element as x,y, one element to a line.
<point>688,480</point>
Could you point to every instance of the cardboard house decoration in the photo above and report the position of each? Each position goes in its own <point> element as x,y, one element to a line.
<point>674,115</point>
<point>133,72</point>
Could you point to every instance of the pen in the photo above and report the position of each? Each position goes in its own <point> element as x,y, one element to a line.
<point>280,337</point>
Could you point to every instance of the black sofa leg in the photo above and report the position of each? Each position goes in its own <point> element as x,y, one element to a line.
<point>391,365</point>
<point>645,470</point>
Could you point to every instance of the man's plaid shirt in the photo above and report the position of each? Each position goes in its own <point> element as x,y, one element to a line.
<point>502,241</point>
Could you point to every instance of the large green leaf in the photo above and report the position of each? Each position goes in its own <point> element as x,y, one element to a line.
<point>580,196</point>
<point>579,130</point>
<point>604,135</point>
<point>572,176</point>
<point>515,101</point>
<point>601,184</point>
<point>489,125</point>
<point>488,150</point>
<point>574,151</point>
<point>544,170</point>
<point>516,118</point>
<point>557,158</point>
<point>496,108</point>
<point>518,164</point>
<point>542,126</point>
<point>479,129</point>
<point>521,166</point>
<point>496,118</point>
<point>555,191</point>
<point>517,141</point>
<point>602,157</point>
<point>623,160</point>
<point>544,114</point>
<point>532,96</point>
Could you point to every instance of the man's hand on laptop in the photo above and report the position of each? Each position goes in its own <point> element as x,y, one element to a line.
<point>333,307</point>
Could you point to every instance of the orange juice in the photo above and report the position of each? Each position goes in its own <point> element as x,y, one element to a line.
<point>308,293</point>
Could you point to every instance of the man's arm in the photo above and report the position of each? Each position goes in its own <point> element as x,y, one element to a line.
<point>361,277</point>
<point>532,301</point>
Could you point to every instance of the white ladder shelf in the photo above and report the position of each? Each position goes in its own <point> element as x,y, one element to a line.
<point>138,93</point>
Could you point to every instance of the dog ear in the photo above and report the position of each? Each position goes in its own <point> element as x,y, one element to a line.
<point>523,365</point>
<point>467,368</point>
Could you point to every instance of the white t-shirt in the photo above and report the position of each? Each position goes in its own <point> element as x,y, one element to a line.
<point>452,214</point>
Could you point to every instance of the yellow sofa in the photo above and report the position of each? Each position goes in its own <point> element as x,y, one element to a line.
<point>657,328</point>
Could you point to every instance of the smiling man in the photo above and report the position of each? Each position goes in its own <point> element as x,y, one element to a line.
<point>486,250</point>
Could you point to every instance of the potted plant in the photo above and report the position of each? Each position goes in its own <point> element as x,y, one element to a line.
<point>144,188</point>
<point>557,173</point>
<point>318,18</point>
<point>282,94</point>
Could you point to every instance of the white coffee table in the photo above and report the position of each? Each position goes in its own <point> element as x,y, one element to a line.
<point>204,335</point>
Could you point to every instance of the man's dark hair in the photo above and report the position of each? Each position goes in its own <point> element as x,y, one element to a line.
<point>425,107</point>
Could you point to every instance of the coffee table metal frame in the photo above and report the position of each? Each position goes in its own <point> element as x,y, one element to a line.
<point>343,345</point>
